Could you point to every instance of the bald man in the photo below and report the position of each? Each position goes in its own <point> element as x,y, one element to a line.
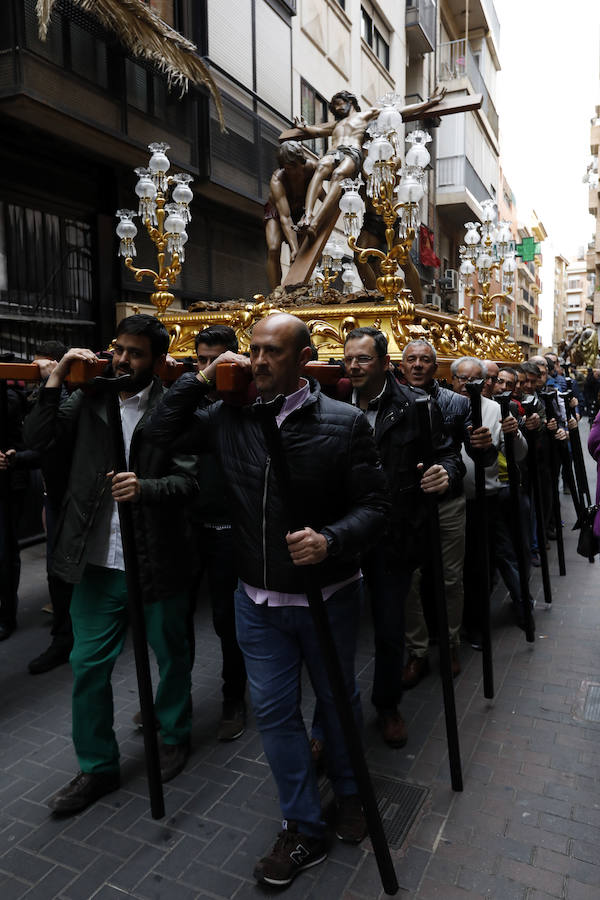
<point>340,496</point>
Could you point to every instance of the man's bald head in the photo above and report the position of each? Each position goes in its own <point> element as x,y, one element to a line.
<point>279,349</point>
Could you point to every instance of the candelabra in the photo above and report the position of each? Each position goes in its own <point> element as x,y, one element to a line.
<point>330,266</point>
<point>394,192</point>
<point>488,248</point>
<point>165,223</point>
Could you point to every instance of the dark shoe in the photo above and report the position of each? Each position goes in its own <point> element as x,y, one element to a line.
<point>392,727</point>
<point>233,720</point>
<point>57,654</point>
<point>351,825</point>
<point>6,631</point>
<point>292,853</point>
<point>137,721</point>
<point>455,661</point>
<point>86,788</point>
<point>535,559</point>
<point>173,758</point>
<point>415,670</point>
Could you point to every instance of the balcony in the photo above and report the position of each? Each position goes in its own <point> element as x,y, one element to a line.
<point>456,62</point>
<point>593,200</point>
<point>482,15</point>
<point>459,188</point>
<point>527,333</point>
<point>80,85</point>
<point>420,26</point>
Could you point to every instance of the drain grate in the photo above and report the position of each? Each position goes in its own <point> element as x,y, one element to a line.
<point>399,803</point>
<point>591,707</point>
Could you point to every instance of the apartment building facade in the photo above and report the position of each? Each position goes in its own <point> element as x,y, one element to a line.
<point>593,250</point>
<point>561,264</point>
<point>578,308</point>
<point>77,112</point>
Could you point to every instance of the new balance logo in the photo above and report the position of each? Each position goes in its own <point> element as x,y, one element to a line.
<point>299,854</point>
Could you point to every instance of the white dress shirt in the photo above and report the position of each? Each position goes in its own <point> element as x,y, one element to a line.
<point>106,546</point>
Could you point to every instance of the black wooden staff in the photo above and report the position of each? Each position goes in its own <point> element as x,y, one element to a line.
<point>514,487</point>
<point>135,602</point>
<point>6,487</point>
<point>583,487</point>
<point>267,413</point>
<point>547,397</point>
<point>435,559</point>
<point>529,404</point>
<point>474,389</point>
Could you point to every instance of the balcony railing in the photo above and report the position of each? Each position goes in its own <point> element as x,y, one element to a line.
<point>456,60</point>
<point>455,173</point>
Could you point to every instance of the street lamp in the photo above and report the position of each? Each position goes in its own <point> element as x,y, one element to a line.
<point>488,248</point>
<point>165,223</point>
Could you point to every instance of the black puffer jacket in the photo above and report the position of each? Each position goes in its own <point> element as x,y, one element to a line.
<point>79,426</point>
<point>339,486</point>
<point>397,437</point>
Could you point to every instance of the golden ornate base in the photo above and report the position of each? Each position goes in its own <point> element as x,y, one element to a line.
<point>333,316</point>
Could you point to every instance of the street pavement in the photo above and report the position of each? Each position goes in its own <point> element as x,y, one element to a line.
<point>526,826</point>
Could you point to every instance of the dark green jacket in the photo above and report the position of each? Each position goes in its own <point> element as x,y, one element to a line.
<point>167,482</point>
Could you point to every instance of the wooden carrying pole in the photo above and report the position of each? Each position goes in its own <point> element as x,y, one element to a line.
<point>474,389</point>
<point>435,559</point>
<point>548,398</point>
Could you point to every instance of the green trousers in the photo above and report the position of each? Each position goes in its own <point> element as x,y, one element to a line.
<point>99,615</point>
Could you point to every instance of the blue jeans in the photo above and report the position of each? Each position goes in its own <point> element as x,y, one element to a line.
<point>275,642</point>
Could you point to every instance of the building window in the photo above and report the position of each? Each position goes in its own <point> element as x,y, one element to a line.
<point>374,37</point>
<point>574,284</point>
<point>342,3</point>
<point>366,27</point>
<point>314,109</point>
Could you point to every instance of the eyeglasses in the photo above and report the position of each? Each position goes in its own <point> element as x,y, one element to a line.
<point>362,360</point>
<point>466,379</point>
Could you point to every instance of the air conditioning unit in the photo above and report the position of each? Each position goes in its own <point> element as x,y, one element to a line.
<point>434,300</point>
<point>451,277</point>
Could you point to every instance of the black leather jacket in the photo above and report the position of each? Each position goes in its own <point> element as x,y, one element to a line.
<point>397,437</point>
<point>337,479</point>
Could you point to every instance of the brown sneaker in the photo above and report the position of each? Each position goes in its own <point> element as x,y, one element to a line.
<point>292,853</point>
<point>393,727</point>
<point>351,825</point>
<point>455,661</point>
<point>414,671</point>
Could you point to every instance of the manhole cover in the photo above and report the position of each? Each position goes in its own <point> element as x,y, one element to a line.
<point>398,802</point>
<point>591,706</point>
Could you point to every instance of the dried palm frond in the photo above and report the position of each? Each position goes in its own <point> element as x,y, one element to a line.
<point>145,35</point>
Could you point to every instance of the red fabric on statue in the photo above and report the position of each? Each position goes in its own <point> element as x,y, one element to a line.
<point>426,252</point>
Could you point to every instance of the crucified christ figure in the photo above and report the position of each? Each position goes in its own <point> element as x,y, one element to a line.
<point>345,157</point>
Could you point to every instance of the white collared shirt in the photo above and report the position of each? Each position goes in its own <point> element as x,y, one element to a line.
<point>105,545</point>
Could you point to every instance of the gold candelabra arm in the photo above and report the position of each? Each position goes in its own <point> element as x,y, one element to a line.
<point>140,273</point>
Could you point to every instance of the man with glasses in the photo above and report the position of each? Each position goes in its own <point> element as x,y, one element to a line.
<point>419,365</point>
<point>490,378</point>
<point>388,568</point>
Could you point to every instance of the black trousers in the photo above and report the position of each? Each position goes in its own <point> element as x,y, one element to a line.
<point>216,546</point>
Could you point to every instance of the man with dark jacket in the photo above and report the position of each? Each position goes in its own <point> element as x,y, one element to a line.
<point>419,365</point>
<point>339,496</point>
<point>388,568</point>
<point>214,543</point>
<point>88,552</point>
